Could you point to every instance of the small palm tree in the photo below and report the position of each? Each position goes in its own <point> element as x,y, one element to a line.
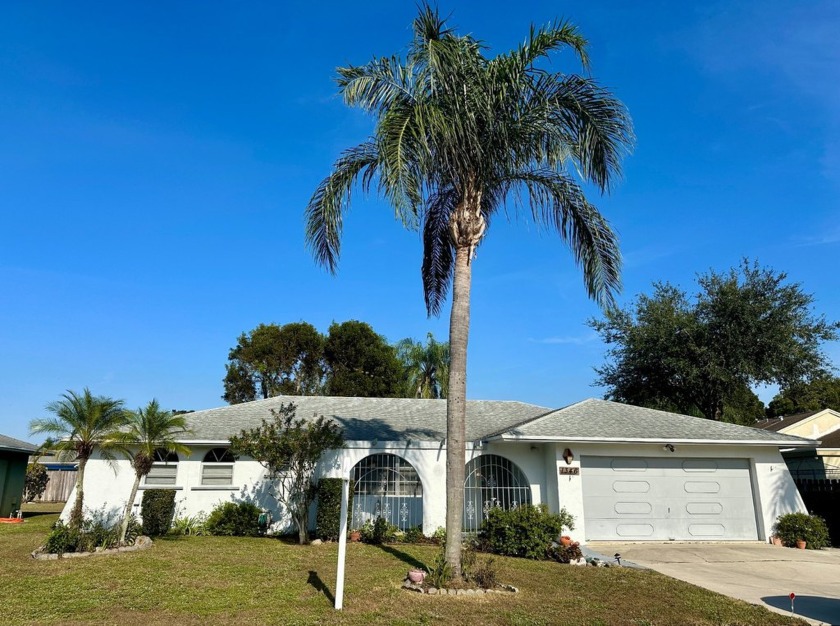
<point>426,367</point>
<point>461,139</point>
<point>81,423</point>
<point>148,430</point>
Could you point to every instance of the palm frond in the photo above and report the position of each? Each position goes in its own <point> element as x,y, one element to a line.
<point>438,252</point>
<point>324,213</point>
<point>558,202</point>
<point>598,122</point>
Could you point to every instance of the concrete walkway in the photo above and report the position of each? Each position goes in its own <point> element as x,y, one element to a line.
<point>755,572</point>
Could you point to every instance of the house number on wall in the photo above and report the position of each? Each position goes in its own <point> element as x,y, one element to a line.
<point>574,471</point>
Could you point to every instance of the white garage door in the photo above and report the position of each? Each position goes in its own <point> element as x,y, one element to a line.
<point>667,499</point>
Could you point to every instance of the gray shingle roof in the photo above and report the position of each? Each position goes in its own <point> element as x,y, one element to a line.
<point>16,445</point>
<point>366,419</point>
<point>602,420</point>
<point>778,423</point>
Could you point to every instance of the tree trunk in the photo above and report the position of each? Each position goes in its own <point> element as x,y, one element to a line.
<point>128,507</point>
<point>302,523</point>
<point>76,514</point>
<point>456,407</point>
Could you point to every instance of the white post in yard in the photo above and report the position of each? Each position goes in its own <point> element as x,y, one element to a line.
<point>342,543</point>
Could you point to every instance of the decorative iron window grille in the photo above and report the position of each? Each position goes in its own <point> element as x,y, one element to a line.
<point>387,486</point>
<point>492,482</point>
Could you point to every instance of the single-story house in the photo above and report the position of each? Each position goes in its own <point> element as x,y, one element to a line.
<point>14,456</point>
<point>624,472</point>
<point>822,458</point>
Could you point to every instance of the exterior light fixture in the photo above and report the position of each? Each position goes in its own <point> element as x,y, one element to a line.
<point>568,456</point>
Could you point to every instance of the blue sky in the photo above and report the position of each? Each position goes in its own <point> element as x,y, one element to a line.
<point>156,159</point>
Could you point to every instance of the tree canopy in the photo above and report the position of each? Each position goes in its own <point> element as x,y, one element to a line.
<point>460,138</point>
<point>81,423</point>
<point>821,392</point>
<point>358,362</point>
<point>272,360</point>
<point>425,367</point>
<point>703,354</point>
<point>147,430</point>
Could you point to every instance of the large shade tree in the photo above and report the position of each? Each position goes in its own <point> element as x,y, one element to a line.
<point>460,137</point>
<point>148,429</point>
<point>81,423</point>
<point>703,353</point>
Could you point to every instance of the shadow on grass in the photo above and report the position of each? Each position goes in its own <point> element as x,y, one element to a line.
<point>402,556</point>
<point>315,580</point>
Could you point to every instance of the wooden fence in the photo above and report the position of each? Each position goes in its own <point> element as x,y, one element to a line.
<point>822,497</point>
<point>60,485</point>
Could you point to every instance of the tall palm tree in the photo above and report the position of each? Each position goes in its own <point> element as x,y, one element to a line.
<point>459,136</point>
<point>81,423</point>
<point>426,367</point>
<point>148,429</point>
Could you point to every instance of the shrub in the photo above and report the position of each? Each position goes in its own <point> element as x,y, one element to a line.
<point>189,525</point>
<point>810,528</point>
<point>62,538</point>
<point>439,536</point>
<point>414,535</point>
<point>328,515</point>
<point>526,531</point>
<point>158,509</point>
<point>481,572</point>
<point>98,531</point>
<point>36,482</point>
<point>440,573</point>
<point>234,520</point>
<point>379,531</point>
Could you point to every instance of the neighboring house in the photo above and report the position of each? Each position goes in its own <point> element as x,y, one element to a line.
<point>822,458</point>
<point>61,477</point>
<point>14,455</point>
<point>624,472</point>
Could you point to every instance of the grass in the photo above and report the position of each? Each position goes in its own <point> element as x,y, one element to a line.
<point>199,580</point>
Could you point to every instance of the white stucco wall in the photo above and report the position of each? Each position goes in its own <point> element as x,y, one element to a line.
<point>107,486</point>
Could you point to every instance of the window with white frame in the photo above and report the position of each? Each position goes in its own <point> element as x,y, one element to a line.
<point>164,470</point>
<point>217,468</point>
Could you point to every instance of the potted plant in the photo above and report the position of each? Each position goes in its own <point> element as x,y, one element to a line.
<point>417,576</point>
<point>355,535</point>
<point>802,530</point>
<point>776,540</point>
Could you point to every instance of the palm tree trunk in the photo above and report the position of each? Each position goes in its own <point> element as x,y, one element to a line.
<point>76,514</point>
<point>456,407</point>
<point>128,507</point>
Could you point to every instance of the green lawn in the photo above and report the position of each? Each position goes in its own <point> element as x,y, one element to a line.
<point>202,580</point>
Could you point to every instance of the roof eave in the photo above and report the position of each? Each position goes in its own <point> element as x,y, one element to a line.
<point>654,440</point>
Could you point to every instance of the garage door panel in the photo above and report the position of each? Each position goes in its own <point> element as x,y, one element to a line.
<point>667,498</point>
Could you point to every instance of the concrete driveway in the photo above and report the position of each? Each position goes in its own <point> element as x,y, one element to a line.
<point>755,572</point>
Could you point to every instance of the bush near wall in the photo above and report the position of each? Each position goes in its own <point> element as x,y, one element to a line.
<point>328,513</point>
<point>526,531</point>
<point>793,527</point>
<point>158,509</point>
<point>234,520</point>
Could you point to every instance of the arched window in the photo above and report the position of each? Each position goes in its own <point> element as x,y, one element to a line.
<point>217,468</point>
<point>164,469</point>
<point>492,482</point>
<point>387,486</point>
